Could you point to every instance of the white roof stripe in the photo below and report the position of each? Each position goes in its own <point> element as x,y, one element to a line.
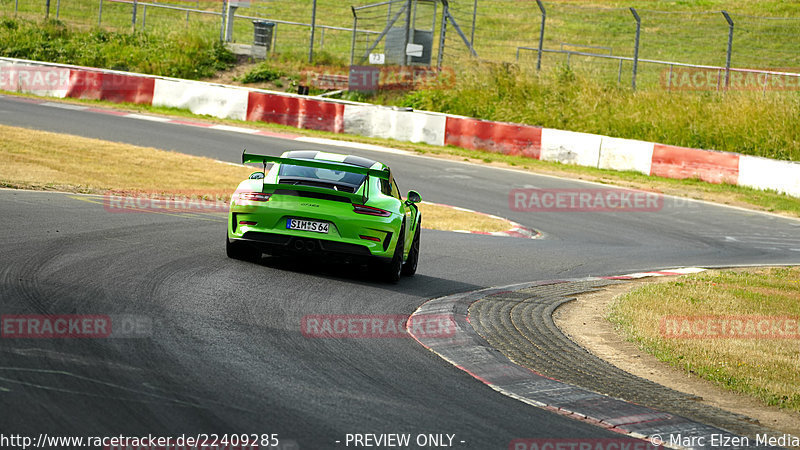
<point>336,157</point>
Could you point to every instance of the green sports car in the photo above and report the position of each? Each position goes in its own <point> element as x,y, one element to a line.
<point>325,205</point>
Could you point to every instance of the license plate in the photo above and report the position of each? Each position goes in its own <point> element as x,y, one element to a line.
<point>307,225</point>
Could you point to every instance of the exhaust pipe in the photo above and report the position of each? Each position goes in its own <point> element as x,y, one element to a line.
<point>298,245</point>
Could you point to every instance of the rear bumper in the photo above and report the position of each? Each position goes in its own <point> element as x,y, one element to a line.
<point>349,232</point>
<point>284,244</point>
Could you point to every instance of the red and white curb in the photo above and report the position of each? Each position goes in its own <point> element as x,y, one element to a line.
<point>468,351</point>
<point>657,273</point>
<point>339,116</point>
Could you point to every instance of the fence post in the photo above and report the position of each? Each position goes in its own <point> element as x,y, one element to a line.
<point>730,47</point>
<point>133,14</point>
<point>222,22</point>
<point>636,47</point>
<point>144,17</point>
<point>407,37</point>
<point>58,8</point>
<point>541,35</point>
<point>230,20</point>
<point>47,10</point>
<point>313,30</point>
<point>274,38</point>
<point>16,8</point>
<point>353,41</point>
<point>474,18</point>
<point>100,14</point>
<point>442,34</point>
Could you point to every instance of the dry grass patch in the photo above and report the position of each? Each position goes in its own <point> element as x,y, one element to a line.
<point>450,219</point>
<point>41,160</point>
<point>763,367</point>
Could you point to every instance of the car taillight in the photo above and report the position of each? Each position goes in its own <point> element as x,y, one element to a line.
<point>254,196</point>
<point>370,238</point>
<point>369,210</point>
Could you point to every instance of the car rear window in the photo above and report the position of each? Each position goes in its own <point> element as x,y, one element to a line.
<point>337,177</point>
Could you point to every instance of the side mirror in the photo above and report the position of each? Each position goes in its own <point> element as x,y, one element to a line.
<point>257,176</point>
<point>413,197</point>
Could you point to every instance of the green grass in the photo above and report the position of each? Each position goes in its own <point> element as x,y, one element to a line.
<point>693,32</point>
<point>583,97</point>
<point>767,369</point>
<point>738,121</point>
<point>261,73</point>
<point>182,55</point>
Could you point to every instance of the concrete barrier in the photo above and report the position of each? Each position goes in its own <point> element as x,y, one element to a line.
<point>625,154</point>
<point>497,137</point>
<point>62,80</point>
<point>110,86</point>
<point>383,122</point>
<point>569,147</point>
<point>680,162</point>
<point>202,98</point>
<point>320,115</point>
<point>47,81</point>
<point>295,111</point>
<point>763,173</point>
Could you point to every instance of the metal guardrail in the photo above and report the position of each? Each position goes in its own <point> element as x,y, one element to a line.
<point>567,44</point>
<point>223,28</point>
<point>217,13</point>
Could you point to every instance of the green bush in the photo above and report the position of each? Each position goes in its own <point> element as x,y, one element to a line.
<point>184,55</point>
<point>261,73</point>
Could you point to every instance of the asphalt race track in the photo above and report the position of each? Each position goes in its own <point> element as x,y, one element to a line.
<point>226,354</point>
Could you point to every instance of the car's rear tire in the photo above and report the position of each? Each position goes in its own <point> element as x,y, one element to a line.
<point>410,266</point>
<point>391,272</point>
<point>239,250</point>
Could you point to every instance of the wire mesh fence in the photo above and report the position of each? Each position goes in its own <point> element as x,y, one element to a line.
<point>598,40</point>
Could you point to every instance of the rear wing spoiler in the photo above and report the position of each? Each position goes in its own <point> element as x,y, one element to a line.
<point>314,163</point>
<point>318,164</point>
<point>328,193</point>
